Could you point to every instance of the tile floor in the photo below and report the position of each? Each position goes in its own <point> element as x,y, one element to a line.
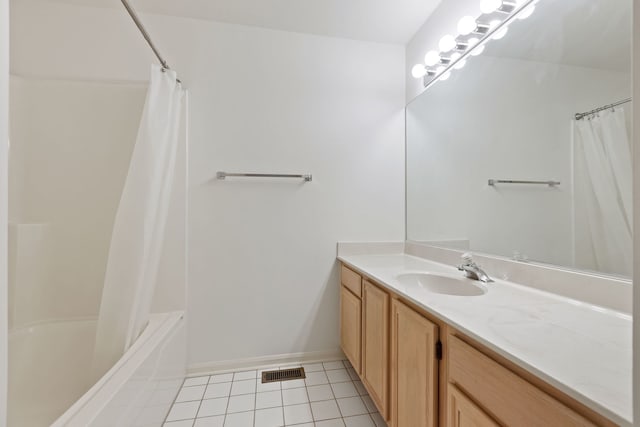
<point>331,396</point>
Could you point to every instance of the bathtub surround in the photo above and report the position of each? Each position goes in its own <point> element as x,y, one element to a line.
<point>138,234</point>
<point>140,388</point>
<point>73,150</point>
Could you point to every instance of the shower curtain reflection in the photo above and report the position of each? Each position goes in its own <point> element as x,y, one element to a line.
<point>139,230</point>
<point>603,177</point>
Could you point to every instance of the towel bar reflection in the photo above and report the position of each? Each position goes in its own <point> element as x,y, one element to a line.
<point>223,175</point>
<point>493,182</point>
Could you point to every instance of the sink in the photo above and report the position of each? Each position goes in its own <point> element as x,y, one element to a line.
<point>441,284</point>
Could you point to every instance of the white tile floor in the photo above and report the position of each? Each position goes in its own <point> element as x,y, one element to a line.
<point>331,396</point>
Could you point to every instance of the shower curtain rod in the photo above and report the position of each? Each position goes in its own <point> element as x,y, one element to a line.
<point>580,116</point>
<point>145,34</point>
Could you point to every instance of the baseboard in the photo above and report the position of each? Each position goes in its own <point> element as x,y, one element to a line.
<point>208,368</point>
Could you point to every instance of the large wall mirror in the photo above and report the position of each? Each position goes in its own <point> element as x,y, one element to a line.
<point>499,162</point>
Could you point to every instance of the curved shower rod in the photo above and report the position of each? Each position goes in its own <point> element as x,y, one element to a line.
<point>145,34</point>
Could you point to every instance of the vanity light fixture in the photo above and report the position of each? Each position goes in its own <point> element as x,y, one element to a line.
<point>477,51</point>
<point>419,71</point>
<point>445,76</point>
<point>491,6</point>
<point>447,43</point>
<point>467,25</point>
<point>432,58</point>
<point>473,34</point>
<point>460,64</point>
<point>500,33</point>
<point>527,12</point>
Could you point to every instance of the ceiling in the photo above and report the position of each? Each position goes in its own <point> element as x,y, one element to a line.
<point>386,21</point>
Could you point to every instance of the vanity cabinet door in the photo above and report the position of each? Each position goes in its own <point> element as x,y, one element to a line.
<point>375,358</point>
<point>414,368</point>
<point>351,327</point>
<point>464,413</point>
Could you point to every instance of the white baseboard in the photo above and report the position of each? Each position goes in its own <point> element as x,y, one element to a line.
<point>208,368</point>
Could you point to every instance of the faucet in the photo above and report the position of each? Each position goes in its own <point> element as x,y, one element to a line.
<point>473,270</point>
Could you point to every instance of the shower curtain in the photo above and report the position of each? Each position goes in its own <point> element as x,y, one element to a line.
<point>603,177</point>
<point>138,232</point>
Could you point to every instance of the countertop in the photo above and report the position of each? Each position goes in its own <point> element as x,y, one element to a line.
<point>583,350</point>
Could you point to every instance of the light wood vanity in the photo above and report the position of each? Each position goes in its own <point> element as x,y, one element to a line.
<point>421,372</point>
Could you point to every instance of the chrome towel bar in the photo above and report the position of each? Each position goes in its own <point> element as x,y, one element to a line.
<point>493,182</point>
<point>223,175</point>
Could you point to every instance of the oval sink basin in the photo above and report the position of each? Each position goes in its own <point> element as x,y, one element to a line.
<point>439,284</point>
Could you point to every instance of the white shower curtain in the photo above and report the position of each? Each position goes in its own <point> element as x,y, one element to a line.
<point>604,179</point>
<point>138,232</point>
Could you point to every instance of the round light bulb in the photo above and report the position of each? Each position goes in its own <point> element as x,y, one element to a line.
<point>467,25</point>
<point>473,41</point>
<point>500,33</point>
<point>431,58</point>
<point>418,71</point>
<point>527,12</point>
<point>490,6</point>
<point>460,64</point>
<point>440,69</point>
<point>447,43</point>
<point>445,76</point>
<point>493,24</point>
<point>454,56</point>
<point>477,51</point>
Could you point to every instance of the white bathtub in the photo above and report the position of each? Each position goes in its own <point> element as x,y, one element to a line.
<point>50,367</point>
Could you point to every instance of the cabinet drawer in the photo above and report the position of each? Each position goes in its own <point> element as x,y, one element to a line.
<point>507,397</point>
<point>351,280</point>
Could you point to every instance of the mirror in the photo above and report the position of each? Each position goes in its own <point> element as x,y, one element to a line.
<point>510,115</point>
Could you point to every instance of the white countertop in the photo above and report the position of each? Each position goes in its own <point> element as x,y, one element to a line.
<point>581,349</point>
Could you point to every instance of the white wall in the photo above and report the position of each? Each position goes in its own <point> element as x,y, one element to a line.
<point>636,210</point>
<point>4,140</point>
<point>262,275</point>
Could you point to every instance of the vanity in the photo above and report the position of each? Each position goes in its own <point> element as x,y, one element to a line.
<point>518,150</point>
<point>496,354</point>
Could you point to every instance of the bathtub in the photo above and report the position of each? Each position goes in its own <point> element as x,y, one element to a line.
<point>50,367</point>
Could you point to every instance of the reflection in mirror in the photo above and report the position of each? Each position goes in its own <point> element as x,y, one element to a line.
<point>510,114</point>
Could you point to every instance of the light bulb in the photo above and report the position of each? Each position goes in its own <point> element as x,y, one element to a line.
<point>493,24</point>
<point>527,12</point>
<point>460,64</point>
<point>473,41</point>
<point>447,43</point>
<point>445,76</point>
<point>454,56</point>
<point>477,51</point>
<point>431,58</point>
<point>440,69</point>
<point>490,6</point>
<point>418,71</point>
<point>500,33</point>
<point>467,25</point>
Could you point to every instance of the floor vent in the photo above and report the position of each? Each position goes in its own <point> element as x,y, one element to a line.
<point>283,375</point>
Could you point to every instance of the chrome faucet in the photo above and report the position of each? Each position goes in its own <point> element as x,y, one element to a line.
<point>473,270</point>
